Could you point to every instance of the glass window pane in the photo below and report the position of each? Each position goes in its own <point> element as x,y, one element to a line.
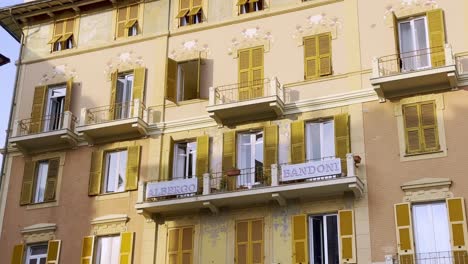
<point>116,169</point>
<point>108,249</point>
<point>313,148</point>
<point>245,151</point>
<point>41,180</point>
<point>316,239</point>
<point>122,171</point>
<point>332,239</point>
<point>180,154</point>
<point>191,159</point>
<point>328,139</point>
<point>406,37</point>
<point>423,55</point>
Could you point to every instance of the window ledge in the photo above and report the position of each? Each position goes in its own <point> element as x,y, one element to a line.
<point>111,196</point>
<point>426,155</point>
<point>186,102</point>
<point>41,205</point>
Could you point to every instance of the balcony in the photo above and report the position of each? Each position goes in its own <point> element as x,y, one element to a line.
<point>415,72</point>
<point>242,102</point>
<point>52,132</point>
<point>113,122</point>
<point>253,186</point>
<point>443,257</point>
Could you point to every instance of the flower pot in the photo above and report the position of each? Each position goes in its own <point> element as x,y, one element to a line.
<point>233,172</point>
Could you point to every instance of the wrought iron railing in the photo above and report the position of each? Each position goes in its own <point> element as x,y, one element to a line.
<point>445,257</point>
<point>47,123</point>
<point>246,91</point>
<point>118,111</point>
<point>239,179</point>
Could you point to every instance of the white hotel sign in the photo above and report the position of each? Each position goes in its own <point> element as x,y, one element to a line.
<point>175,187</point>
<point>311,169</point>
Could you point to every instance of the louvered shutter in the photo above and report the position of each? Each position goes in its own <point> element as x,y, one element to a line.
<point>17,256</point>
<point>244,74</point>
<point>297,142</point>
<point>436,28</point>
<point>37,111</point>
<point>59,26</point>
<point>173,246</point>
<point>132,17</point>
<point>126,247</point>
<point>242,242</point>
<point>68,95</point>
<point>67,30</point>
<point>257,72</point>
<point>171,82</point>
<point>347,236</point>
<point>270,150</point>
<point>324,43</point>
<point>87,250</point>
<point>52,178</point>
<point>170,160</point>
<point>429,127</point>
<point>458,232</point>
<point>53,252</point>
<point>139,84</point>
<point>342,139</point>
<point>95,173</point>
<point>412,128</point>
<point>186,245</point>
<point>404,231</point>
<point>113,95</point>
<point>256,241</point>
<point>229,157</point>
<point>133,168</point>
<point>121,21</point>
<point>300,248</point>
<point>203,159</point>
<point>28,182</point>
<point>310,58</point>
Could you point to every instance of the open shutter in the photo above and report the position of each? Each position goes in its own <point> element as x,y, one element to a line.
<point>171,82</point>
<point>404,231</point>
<point>113,95</point>
<point>310,58</point>
<point>324,43</point>
<point>37,111</point>
<point>436,28</point>
<point>270,150</point>
<point>412,128</point>
<point>95,173</point>
<point>133,168</point>
<point>87,250</point>
<point>170,160</point>
<point>53,251</point>
<point>203,158</point>
<point>132,17</point>
<point>52,178</point>
<point>68,95</point>
<point>300,248</point>
<point>257,72</point>
<point>28,182</point>
<point>244,74</point>
<point>58,31</point>
<point>187,245</point>
<point>17,257</point>
<point>347,236</point>
<point>173,245</point>
<point>242,242</point>
<point>126,247</point>
<point>429,127</point>
<point>229,157</point>
<point>121,21</point>
<point>458,232</point>
<point>198,95</point>
<point>139,84</point>
<point>297,142</point>
<point>342,139</point>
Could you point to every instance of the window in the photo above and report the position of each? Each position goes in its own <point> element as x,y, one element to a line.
<point>185,160</point>
<point>420,123</point>
<point>36,254</point>
<point>249,241</point>
<point>107,250</point>
<point>115,171</point>
<point>190,12</point>
<point>250,158</point>
<point>39,181</point>
<point>183,80</point>
<point>320,140</point>
<point>251,82</point>
<point>55,107</point>
<point>249,6</point>
<point>414,44</point>
<point>317,56</point>
<point>127,21</point>
<point>63,35</point>
<point>123,97</point>
<point>323,237</point>
<point>180,245</point>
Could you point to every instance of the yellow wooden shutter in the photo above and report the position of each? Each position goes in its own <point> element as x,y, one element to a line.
<point>170,160</point>
<point>404,232</point>
<point>37,111</point>
<point>300,248</point>
<point>310,58</point>
<point>229,157</point>
<point>412,128</point>
<point>297,142</point>
<point>173,246</point>
<point>121,21</point>
<point>436,28</point>
<point>68,95</point>
<point>203,158</point>
<point>429,130</point>
<point>126,247</point>
<point>270,150</point>
<point>58,31</point>
<point>113,95</point>
<point>53,251</point>
<point>28,182</point>
<point>171,82</point>
<point>458,232</point>
<point>68,29</point>
<point>324,51</point>
<point>52,178</point>
<point>17,257</point>
<point>242,242</point>
<point>256,241</point>
<point>244,74</point>
<point>95,173</point>
<point>133,12</point>
<point>342,139</point>
<point>347,236</point>
<point>257,72</point>
<point>133,168</point>
<point>186,245</point>
<point>139,84</point>
<point>184,4</point>
<point>87,250</point>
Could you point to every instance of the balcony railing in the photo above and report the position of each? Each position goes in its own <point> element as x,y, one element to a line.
<point>109,113</point>
<point>445,257</point>
<point>48,123</point>
<point>462,64</point>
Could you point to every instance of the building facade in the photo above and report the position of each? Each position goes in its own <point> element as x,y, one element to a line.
<point>200,131</point>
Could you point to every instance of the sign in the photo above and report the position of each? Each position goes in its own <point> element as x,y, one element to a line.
<point>168,188</point>
<point>311,169</point>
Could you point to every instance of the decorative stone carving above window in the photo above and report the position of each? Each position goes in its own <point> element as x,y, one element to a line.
<point>38,233</point>
<point>189,50</point>
<point>58,74</point>
<point>317,24</point>
<point>403,8</point>
<point>109,224</point>
<point>251,37</point>
<point>427,189</point>
<point>124,61</point>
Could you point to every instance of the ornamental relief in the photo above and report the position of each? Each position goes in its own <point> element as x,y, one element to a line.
<point>251,37</point>
<point>317,24</point>
<point>403,8</point>
<point>123,62</point>
<point>58,74</point>
<point>189,50</point>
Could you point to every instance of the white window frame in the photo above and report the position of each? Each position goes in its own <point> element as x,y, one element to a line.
<point>415,53</point>
<point>113,243</point>
<point>108,155</point>
<point>190,148</point>
<point>40,180</point>
<point>57,124</point>
<point>123,106</point>
<point>324,237</point>
<point>324,153</point>
<point>248,173</point>
<point>37,257</point>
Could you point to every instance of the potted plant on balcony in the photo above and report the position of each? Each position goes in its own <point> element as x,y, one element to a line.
<point>233,172</point>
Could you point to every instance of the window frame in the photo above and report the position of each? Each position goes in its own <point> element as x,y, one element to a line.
<point>135,27</point>
<point>69,42</point>
<point>249,242</point>
<point>98,250</point>
<point>52,126</point>
<point>324,243</point>
<point>38,182</point>
<point>180,238</point>
<point>38,257</point>
<point>180,93</point>
<point>105,179</point>
<point>186,18</point>
<point>411,20</point>
<point>123,107</point>
<point>249,174</point>
<point>249,6</point>
<point>309,141</point>
<point>186,159</point>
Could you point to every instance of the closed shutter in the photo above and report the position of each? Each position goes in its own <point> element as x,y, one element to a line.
<point>37,111</point>
<point>244,74</point>
<point>256,241</point>
<point>436,28</point>
<point>17,257</point>
<point>52,178</point>
<point>171,80</point>
<point>28,182</point>
<point>126,247</point>
<point>300,248</point>
<point>139,84</point>
<point>412,132</point>
<point>87,250</point>
<point>257,72</point>
<point>324,43</point>
<point>68,95</point>
<point>133,168</point>
<point>458,232</point>
<point>270,150</point>
<point>95,173</point>
<point>421,132</point>
<point>229,157</point>
<point>242,242</point>
<point>347,236</point>
<point>121,21</point>
<point>342,139</point>
<point>187,245</point>
<point>429,127</point>
<point>404,231</point>
<point>310,58</point>
<point>173,246</point>
<point>53,251</point>
<point>297,142</point>
<point>203,158</point>
<point>113,95</point>
<point>180,245</point>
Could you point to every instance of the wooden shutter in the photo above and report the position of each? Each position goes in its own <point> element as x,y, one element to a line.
<point>59,27</point>
<point>95,173</point>
<point>133,168</point>
<point>68,27</point>
<point>139,84</point>
<point>126,247</point>
<point>52,178</point>
<point>113,95</point>
<point>184,4</point>
<point>300,248</point>
<point>87,250</point>
<point>256,241</point>
<point>458,232</point>
<point>173,246</point>
<point>170,160</point>
<point>297,142</point>
<point>347,236</point>
<point>121,21</point>
<point>257,72</point>
<point>229,157</point>
<point>68,95</point>
<point>28,182</point>
<point>270,150</point>
<point>404,231</point>
<point>242,242</point>
<point>53,251</point>
<point>412,128</point>
<point>17,257</point>
<point>132,17</point>
<point>37,111</point>
<point>429,131</point>
<point>203,158</point>
<point>396,35</point>
<point>244,74</point>
<point>324,51</point>
<point>310,58</point>
<point>186,245</point>
<point>342,139</point>
<point>436,28</point>
<point>171,80</point>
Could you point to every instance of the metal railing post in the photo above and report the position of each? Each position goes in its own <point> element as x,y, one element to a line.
<point>83,116</point>
<point>206,183</point>
<point>274,175</point>
<point>350,165</point>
